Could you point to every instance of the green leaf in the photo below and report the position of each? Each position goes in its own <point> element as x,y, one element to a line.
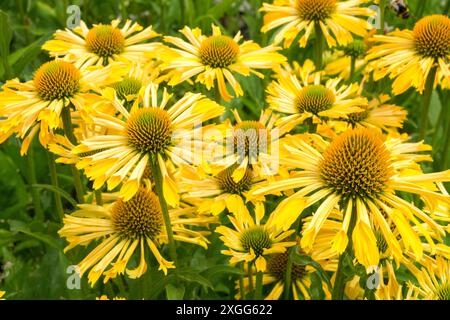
<point>195,277</point>
<point>304,260</point>
<point>175,292</point>
<point>18,226</point>
<point>223,269</point>
<point>5,40</point>
<point>22,57</point>
<point>58,190</point>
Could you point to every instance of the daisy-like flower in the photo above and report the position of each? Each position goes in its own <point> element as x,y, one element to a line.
<point>105,297</point>
<point>2,293</point>
<point>433,279</point>
<point>390,289</point>
<point>409,56</point>
<point>36,105</point>
<point>216,57</point>
<point>214,190</point>
<point>103,43</point>
<point>251,241</point>
<point>125,229</point>
<point>251,144</point>
<point>336,20</point>
<point>305,97</point>
<point>360,171</point>
<point>151,132</point>
<point>377,114</point>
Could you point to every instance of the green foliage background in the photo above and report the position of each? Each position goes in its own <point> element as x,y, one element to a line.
<point>32,263</point>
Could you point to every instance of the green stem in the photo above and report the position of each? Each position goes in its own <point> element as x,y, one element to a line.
<point>32,181</point>
<point>429,86</point>
<point>288,275</point>
<point>157,176</point>
<point>250,279</point>
<point>340,281</point>
<point>68,130</point>
<point>420,9</point>
<point>241,282</point>
<point>98,197</point>
<point>258,285</point>
<point>318,47</point>
<point>352,68</point>
<point>54,180</point>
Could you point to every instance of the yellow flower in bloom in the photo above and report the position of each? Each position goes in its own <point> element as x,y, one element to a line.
<point>377,114</point>
<point>36,105</point>
<point>216,57</point>
<point>337,20</point>
<point>433,279</point>
<point>214,192</point>
<point>251,144</point>
<point>103,43</point>
<point>2,293</point>
<point>360,171</point>
<point>409,56</point>
<point>151,132</point>
<point>123,229</point>
<point>303,97</point>
<point>251,241</point>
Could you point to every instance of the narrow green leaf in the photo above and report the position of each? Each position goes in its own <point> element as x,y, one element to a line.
<point>58,190</point>
<point>175,292</point>
<point>303,260</point>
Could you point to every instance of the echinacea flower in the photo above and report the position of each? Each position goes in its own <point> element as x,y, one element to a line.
<point>360,171</point>
<point>433,279</point>
<point>216,57</point>
<point>409,56</point>
<point>103,43</point>
<point>36,105</point>
<point>125,229</point>
<point>251,241</point>
<point>378,114</point>
<point>151,131</point>
<point>307,98</point>
<point>336,20</point>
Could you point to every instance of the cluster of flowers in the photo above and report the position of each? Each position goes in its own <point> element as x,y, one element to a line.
<point>103,106</point>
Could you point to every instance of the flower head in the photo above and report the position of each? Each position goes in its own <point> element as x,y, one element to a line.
<point>216,57</point>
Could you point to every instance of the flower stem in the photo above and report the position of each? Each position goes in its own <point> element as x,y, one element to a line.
<point>258,285</point>
<point>340,281</point>
<point>288,276</point>
<point>157,176</point>
<point>318,47</point>
<point>98,197</point>
<point>429,86</point>
<point>68,130</point>
<point>241,282</point>
<point>250,279</point>
<point>54,180</point>
<point>352,68</point>
<point>32,181</point>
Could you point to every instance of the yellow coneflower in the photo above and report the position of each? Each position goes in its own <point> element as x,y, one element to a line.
<point>305,97</point>
<point>336,20</point>
<point>251,143</point>
<point>389,288</point>
<point>213,191</point>
<point>151,132</point>
<point>2,293</point>
<point>377,114</point>
<point>124,228</point>
<point>433,279</point>
<point>360,171</point>
<point>103,43</point>
<point>36,105</point>
<point>251,241</point>
<point>410,56</point>
<point>105,297</point>
<point>216,57</point>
